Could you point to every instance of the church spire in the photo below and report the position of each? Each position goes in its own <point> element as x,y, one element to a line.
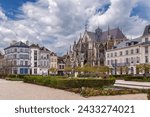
<point>108,30</point>
<point>86,27</point>
<point>70,48</point>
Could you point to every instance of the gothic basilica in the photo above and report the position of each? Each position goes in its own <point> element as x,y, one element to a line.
<point>91,46</point>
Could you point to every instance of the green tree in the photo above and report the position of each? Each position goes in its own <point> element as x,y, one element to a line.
<point>53,70</point>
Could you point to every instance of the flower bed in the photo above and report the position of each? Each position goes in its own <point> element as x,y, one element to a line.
<point>86,92</point>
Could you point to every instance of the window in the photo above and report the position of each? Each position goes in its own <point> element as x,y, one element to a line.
<point>108,62</point>
<point>15,50</point>
<point>111,54</point>
<point>35,71</point>
<point>115,62</point>
<point>63,67</point>
<point>126,52</point>
<point>127,60</point>
<point>47,56</point>
<point>44,63</point>
<point>146,39</point>
<point>35,52</point>
<point>146,59</point>
<point>14,56</point>
<point>137,50</point>
<point>21,62</point>
<point>146,50</point>
<point>132,51</point>
<point>26,63</point>
<point>112,62</point>
<point>108,55</point>
<point>120,53</point>
<point>132,60</point>
<point>115,53</point>
<point>15,62</point>
<point>26,50</point>
<point>137,59</point>
<point>35,64</point>
<point>35,57</point>
<point>21,50</point>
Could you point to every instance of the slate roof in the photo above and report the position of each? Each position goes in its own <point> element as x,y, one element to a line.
<point>34,46</point>
<point>18,44</point>
<point>61,60</point>
<point>129,43</point>
<point>37,46</point>
<point>147,30</point>
<point>44,49</point>
<point>53,54</point>
<point>1,56</point>
<point>115,33</point>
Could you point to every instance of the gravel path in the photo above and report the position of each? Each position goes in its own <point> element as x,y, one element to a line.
<point>12,90</point>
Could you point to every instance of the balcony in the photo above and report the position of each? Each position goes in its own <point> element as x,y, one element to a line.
<point>120,64</point>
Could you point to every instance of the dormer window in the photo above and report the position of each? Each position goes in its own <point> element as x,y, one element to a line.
<point>146,39</point>
<point>149,29</point>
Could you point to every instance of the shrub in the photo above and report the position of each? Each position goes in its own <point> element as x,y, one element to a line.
<point>15,77</point>
<point>3,76</point>
<point>120,76</point>
<point>64,83</point>
<point>96,92</point>
<point>137,78</point>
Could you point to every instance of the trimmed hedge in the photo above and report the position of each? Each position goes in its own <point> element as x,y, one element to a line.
<point>15,77</point>
<point>120,76</point>
<point>87,75</point>
<point>3,76</point>
<point>137,78</point>
<point>64,83</point>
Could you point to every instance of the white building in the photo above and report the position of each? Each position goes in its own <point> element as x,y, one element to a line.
<point>40,60</point>
<point>17,58</point>
<point>130,53</point>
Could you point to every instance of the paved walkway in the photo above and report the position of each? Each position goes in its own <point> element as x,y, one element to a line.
<point>133,84</point>
<point>12,90</point>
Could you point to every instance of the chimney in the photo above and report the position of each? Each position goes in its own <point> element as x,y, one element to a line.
<point>13,42</point>
<point>27,42</point>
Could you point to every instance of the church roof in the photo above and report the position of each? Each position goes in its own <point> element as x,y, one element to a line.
<point>114,33</point>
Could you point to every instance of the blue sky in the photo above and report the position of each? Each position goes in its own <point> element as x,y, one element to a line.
<point>56,24</point>
<point>11,7</point>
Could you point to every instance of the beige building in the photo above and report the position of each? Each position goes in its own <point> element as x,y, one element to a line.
<point>1,63</point>
<point>53,62</point>
<point>130,53</point>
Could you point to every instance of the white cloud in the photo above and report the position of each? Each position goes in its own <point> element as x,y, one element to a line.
<point>57,23</point>
<point>118,14</point>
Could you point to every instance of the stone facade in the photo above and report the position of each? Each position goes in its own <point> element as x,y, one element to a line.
<point>91,47</point>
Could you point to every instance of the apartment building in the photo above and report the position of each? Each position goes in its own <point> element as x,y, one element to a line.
<point>17,58</point>
<point>130,53</point>
<point>40,60</point>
